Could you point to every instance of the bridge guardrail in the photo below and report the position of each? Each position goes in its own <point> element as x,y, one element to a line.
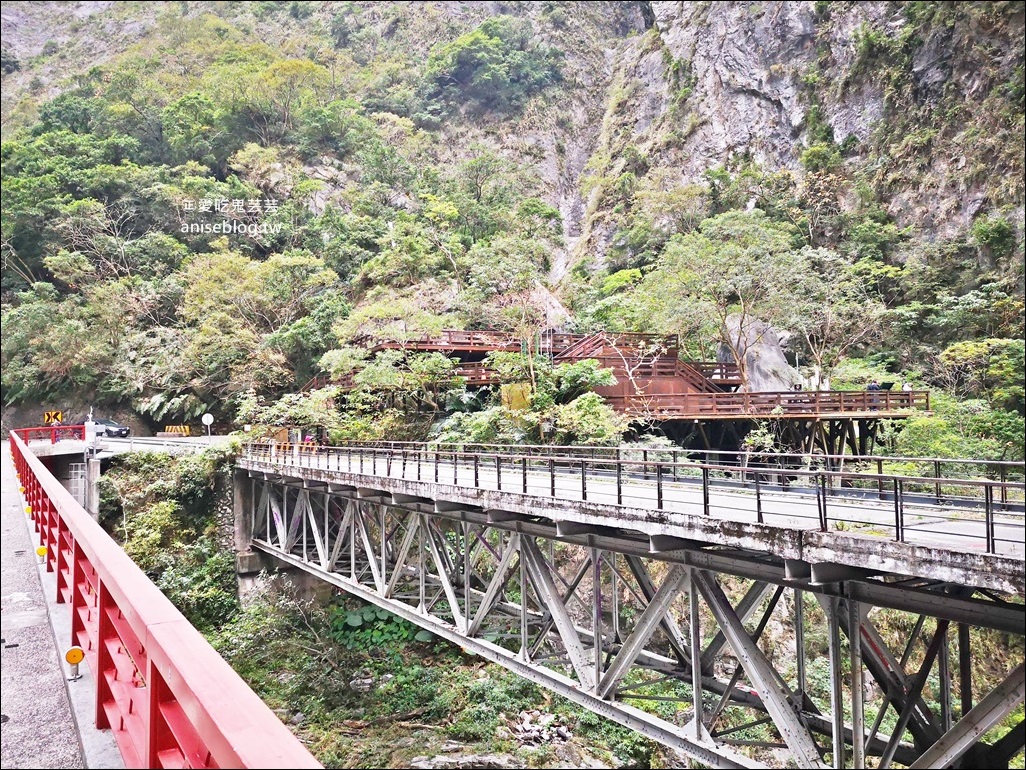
<point>169,698</point>
<point>941,470</point>
<point>52,433</point>
<point>975,503</point>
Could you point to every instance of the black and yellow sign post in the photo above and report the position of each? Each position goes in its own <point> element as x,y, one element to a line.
<point>54,415</point>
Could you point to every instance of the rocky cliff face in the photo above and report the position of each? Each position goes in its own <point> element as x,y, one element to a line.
<point>921,102</point>
<point>766,368</point>
<point>745,96</point>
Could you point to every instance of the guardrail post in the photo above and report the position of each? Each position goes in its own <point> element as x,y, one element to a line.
<point>104,659</point>
<point>879,479</point>
<point>498,472</point>
<point>758,499</point>
<point>899,521</point>
<point>821,501</point>
<point>552,477</point>
<point>988,501</point>
<point>523,469</point>
<point>619,479</point>
<point>584,479</point>
<point>659,486</point>
<point>477,470</point>
<point>436,466</point>
<point>937,475</point>
<point>705,490</point>
<point>455,470</point>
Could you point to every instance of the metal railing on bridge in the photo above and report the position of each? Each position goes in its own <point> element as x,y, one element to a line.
<point>972,513</point>
<point>941,468</point>
<point>52,433</point>
<point>167,695</point>
<point>790,403</point>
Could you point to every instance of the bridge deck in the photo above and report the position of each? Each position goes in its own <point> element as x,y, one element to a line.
<point>818,518</point>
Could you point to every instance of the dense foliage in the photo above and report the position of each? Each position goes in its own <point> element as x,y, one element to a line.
<point>164,510</point>
<point>228,208</point>
<point>365,688</point>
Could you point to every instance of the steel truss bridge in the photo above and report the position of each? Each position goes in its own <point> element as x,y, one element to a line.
<point>643,590</point>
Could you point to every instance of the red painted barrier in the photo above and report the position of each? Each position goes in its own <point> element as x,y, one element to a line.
<point>52,433</point>
<point>170,699</point>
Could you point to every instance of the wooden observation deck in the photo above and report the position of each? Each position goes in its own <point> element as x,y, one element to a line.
<point>654,383</point>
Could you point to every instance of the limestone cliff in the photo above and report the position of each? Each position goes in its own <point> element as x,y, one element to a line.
<point>923,102</point>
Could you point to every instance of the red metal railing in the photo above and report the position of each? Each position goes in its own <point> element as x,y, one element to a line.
<point>167,695</point>
<point>52,433</point>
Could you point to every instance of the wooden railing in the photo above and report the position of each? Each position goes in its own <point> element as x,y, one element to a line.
<point>785,403</point>
<point>715,370</point>
<point>476,375</point>
<point>630,346</point>
<point>450,339</point>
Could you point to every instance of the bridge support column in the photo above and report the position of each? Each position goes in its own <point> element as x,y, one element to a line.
<point>92,493</point>
<point>243,509</point>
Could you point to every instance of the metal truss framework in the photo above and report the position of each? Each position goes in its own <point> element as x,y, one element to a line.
<point>614,621</point>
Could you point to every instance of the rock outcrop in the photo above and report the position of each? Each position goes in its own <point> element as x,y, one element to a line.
<point>762,347</point>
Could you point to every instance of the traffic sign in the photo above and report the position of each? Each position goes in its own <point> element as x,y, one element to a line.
<point>54,415</point>
<point>208,419</point>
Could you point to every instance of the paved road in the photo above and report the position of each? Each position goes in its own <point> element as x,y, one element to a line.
<point>39,719</point>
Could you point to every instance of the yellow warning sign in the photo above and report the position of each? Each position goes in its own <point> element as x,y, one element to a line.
<point>55,415</point>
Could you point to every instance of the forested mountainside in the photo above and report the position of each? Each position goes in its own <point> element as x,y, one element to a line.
<point>207,204</point>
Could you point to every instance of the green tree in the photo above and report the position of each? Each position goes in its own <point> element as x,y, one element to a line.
<point>833,309</point>
<point>496,65</point>
<point>989,368</point>
<point>738,268</point>
<point>246,316</point>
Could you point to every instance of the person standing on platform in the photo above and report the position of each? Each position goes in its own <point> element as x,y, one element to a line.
<point>873,399</point>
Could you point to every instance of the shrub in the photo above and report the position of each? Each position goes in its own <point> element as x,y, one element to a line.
<point>995,234</point>
<point>821,157</point>
<point>495,65</point>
